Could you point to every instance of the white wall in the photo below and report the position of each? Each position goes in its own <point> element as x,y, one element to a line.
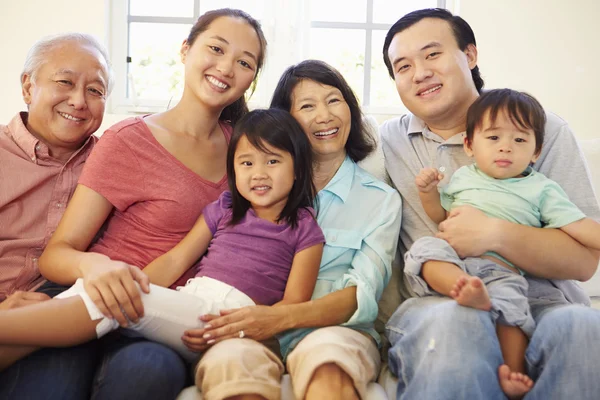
<point>550,48</point>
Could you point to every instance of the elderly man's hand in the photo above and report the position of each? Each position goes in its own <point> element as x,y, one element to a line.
<point>21,299</point>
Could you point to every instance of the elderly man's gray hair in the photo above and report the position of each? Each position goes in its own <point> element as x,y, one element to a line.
<point>37,55</point>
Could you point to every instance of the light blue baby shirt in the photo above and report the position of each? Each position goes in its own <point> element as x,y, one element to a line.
<point>531,200</point>
<point>360,217</point>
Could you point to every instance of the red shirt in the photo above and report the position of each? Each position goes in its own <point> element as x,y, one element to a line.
<point>157,199</point>
<point>34,191</point>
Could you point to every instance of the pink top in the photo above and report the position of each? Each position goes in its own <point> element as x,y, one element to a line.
<point>157,199</point>
<point>34,190</point>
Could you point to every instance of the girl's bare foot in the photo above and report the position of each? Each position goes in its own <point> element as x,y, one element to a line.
<point>513,384</point>
<point>469,291</point>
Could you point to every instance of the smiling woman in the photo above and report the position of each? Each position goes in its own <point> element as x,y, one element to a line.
<point>329,343</point>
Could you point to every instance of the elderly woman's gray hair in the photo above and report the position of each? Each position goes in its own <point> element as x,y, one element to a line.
<point>37,55</point>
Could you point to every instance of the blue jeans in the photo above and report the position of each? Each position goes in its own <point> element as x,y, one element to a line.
<point>440,350</point>
<point>135,368</point>
<point>130,368</point>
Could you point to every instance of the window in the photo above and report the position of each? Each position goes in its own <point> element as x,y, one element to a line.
<point>145,38</point>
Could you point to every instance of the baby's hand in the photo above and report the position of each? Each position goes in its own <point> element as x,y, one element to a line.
<point>428,179</point>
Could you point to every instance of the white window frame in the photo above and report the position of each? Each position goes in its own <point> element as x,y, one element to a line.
<point>290,19</point>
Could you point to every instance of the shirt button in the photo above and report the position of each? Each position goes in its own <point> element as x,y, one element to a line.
<point>38,147</point>
<point>333,238</point>
<point>34,259</point>
<point>59,205</point>
<point>442,169</point>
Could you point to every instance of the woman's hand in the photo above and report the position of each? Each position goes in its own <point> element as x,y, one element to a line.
<point>257,322</point>
<point>111,286</point>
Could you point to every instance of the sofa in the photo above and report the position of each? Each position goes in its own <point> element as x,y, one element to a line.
<point>385,388</point>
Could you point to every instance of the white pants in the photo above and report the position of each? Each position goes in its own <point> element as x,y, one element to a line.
<point>169,313</point>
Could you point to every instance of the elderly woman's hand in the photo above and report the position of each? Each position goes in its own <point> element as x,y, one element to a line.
<point>254,322</point>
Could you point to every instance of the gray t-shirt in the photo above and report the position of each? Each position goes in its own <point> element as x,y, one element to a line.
<point>408,146</point>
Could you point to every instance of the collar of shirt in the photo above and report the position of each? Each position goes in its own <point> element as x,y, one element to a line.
<point>417,125</point>
<point>34,148</point>
<point>338,185</point>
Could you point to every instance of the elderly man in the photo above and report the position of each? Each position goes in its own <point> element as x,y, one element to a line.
<point>441,350</point>
<point>65,82</point>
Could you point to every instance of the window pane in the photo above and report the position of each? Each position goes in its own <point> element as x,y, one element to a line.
<point>345,50</point>
<point>254,8</point>
<point>339,10</point>
<point>156,69</point>
<point>390,11</point>
<point>171,8</point>
<point>383,88</point>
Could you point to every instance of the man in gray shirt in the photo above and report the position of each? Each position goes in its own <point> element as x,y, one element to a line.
<point>441,350</point>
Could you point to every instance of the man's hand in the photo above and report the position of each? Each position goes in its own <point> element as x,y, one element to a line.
<point>469,231</point>
<point>21,299</point>
<point>428,179</point>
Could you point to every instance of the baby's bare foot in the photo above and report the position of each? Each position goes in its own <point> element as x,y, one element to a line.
<point>471,292</point>
<point>513,384</point>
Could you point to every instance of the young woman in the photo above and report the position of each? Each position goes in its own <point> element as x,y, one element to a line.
<point>264,247</point>
<point>146,183</point>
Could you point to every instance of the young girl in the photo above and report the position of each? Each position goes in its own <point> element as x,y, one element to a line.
<point>504,135</point>
<point>264,247</point>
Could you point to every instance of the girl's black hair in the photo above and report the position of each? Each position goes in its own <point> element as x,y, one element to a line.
<point>360,142</point>
<point>279,129</point>
<point>523,110</point>
<point>238,108</point>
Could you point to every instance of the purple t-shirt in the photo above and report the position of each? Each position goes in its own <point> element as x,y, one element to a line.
<point>254,256</point>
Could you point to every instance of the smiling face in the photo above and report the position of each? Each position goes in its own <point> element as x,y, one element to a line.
<point>222,62</point>
<point>66,99</point>
<point>501,149</point>
<point>265,179</point>
<point>324,116</point>
<point>432,74</point>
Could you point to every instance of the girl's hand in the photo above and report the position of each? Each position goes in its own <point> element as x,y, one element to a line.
<point>257,322</point>
<point>111,286</point>
<point>428,179</point>
<point>194,341</point>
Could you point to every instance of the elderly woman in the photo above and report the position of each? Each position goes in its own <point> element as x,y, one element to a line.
<point>329,343</point>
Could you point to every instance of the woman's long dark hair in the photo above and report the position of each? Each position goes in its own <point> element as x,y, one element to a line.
<point>279,129</point>
<point>237,109</point>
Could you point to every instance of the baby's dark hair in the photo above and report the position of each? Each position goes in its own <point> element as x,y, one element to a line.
<point>279,129</point>
<point>523,110</point>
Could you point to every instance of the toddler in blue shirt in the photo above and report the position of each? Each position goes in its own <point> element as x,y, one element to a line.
<point>505,132</point>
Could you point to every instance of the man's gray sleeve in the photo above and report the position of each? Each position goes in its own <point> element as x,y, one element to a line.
<point>562,161</point>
